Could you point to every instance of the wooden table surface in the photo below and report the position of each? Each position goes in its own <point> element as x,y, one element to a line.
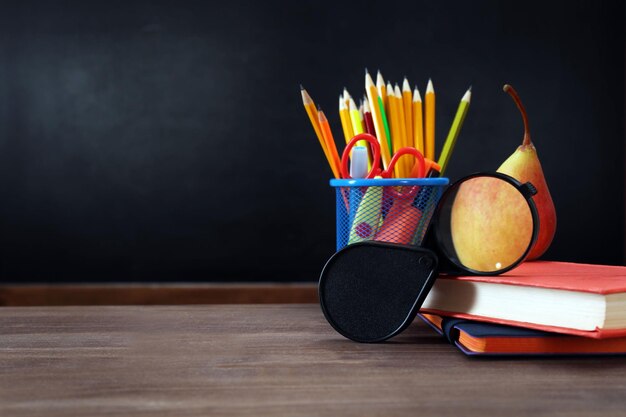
<point>271,360</point>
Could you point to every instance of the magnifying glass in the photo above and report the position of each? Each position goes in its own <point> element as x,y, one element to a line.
<point>484,224</point>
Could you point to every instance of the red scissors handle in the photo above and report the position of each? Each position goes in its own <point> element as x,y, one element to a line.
<point>345,157</point>
<point>418,171</point>
<point>419,168</point>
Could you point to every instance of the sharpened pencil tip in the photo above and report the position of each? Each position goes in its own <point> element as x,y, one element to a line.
<point>429,87</point>
<point>301,88</point>
<point>366,71</point>
<point>467,96</point>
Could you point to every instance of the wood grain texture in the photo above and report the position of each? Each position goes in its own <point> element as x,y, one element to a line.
<point>270,360</point>
<point>155,294</point>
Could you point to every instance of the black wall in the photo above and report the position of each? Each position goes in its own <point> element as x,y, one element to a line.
<point>167,140</point>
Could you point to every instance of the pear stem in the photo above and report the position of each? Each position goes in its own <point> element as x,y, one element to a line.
<point>508,89</point>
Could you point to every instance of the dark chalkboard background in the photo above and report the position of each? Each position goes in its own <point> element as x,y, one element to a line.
<point>147,140</point>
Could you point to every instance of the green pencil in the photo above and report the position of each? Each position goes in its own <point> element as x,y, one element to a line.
<point>454,130</point>
<point>385,123</point>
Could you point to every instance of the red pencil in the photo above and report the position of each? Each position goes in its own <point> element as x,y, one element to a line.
<point>369,121</point>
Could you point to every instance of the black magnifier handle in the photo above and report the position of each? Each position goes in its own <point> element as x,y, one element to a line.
<point>371,291</point>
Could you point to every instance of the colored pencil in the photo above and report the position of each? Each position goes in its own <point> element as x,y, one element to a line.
<point>383,113</point>
<point>368,124</point>
<point>311,111</point>
<point>382,89</point>
<point>392,113</point>
<point>429,130</point>
<point>355,118</point>
<point>383,103</point>
<point>418,126</point>
<point>344,116</point>
<point>407,105</point>
<point>361,113</point>
<point>330,143</point>
<point>367,116</point>
<point>377,116</point>
<point>406,163</point>
<point>346,97</point>
<point>392,118</point>
<point>459,118</point>
<point>357,124</point>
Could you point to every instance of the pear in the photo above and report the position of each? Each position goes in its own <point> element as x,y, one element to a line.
<point>524,166</point>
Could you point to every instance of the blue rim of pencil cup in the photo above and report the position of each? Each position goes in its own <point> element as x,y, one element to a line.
<point>388,182</point>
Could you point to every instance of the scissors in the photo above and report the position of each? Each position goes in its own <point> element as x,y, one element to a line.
<point>375,171</point>
<point>418,171</point>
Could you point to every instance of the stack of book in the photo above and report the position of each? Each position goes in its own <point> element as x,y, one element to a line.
<point>539,308</point>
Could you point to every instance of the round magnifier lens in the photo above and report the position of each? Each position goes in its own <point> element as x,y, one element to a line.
<point>486,223</point>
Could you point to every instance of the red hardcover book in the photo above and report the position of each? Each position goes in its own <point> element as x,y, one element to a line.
<point>579,299</point>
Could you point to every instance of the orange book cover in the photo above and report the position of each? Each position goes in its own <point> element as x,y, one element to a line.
<point>487,339</point>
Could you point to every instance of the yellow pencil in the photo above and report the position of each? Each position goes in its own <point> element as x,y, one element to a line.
<point>361,113</point>
<point>311,111</point>
<point>344,116</point>
<point>372,95</point>
<point>355,118</point>
<point>357,128</point>
<point>390,112</point>
<point>346,97</point>
<point>402,121</point>
<point>407,105</point>
<point>429,136</point>
<point>394,127</point>
<point>418,126</point>
<point>406,163</point>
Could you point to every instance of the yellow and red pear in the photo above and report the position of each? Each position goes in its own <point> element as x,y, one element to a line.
<point>524,166</point>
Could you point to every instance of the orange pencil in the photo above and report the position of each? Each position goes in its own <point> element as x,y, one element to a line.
<point>330,143</point>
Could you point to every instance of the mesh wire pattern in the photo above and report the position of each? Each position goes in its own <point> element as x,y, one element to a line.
<point>387,213</point>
